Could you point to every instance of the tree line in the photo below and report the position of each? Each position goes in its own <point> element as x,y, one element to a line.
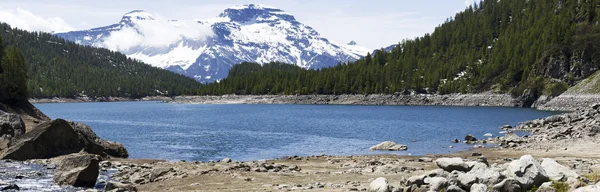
<point>510,46</point>
<point>55,67</point>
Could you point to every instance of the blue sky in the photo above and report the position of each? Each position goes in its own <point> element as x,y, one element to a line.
<point>373,23</point>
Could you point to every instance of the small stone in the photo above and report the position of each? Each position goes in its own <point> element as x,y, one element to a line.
<point>470,138</point>
<point>475,154</point>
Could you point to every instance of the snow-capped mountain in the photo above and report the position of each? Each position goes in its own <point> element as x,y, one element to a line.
<point>207,49</point>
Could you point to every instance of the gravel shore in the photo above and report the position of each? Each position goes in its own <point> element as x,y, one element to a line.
<point>373,99</point>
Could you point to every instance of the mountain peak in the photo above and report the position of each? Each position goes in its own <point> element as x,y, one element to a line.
<point>255,12</point>
<point>252,6</point>
<point>137,15</point>
<point>352,43</point>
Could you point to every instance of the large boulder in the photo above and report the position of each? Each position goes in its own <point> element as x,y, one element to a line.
<point>103,146</point>
<point>527,171</point>
<point>389,146</point>
<point>79,170</point>
<point>556,171</point>
<point>49,139</point>
<point>59,137</point>
<point>451,164</point>
<point>380,185</point>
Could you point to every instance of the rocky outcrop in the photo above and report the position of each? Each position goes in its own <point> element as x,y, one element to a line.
<point>59,137</point>
<point>456,174</point>
<point>581,124</point>
<point>50,139</point>
<point>11,125</point>
<point>79,170</point>
<point>389,146</point>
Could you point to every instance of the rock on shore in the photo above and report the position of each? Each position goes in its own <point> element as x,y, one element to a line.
<point>389,146</point>
<point>59,137</point>
<point>581,124</point>
<point>455,174</point>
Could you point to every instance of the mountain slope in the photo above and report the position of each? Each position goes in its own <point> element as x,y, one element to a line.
<point>526,48</point>
<point>59,68</point>
<point>251,32</point>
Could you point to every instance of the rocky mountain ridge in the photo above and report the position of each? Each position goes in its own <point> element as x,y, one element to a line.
<point>207,49</point>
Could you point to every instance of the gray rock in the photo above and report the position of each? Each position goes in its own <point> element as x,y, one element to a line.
<point>454,188</point>
<point>467,180</point>
<point>425,159</point>
<point>556,171</point>
<point>591,188</point>
<point>436,183</point>
<point>101,146</point>
<point>508,185</point>
<point>47,140</point>
<point>379,185</point>
<point>11,124</point>
<point>437,173</point>
<point>485,174</point>
<point>470,138</point>
<point>545,189</point>
<point>417,180</point>
<point>451,164</point>
<point>527,171</point>
<point>10,187</point>
<point>389,146</point>
<point>117,186</point>
<point>511,137</point>
<point>79,170</point>
<point>478,188</point>
<point>59,137</point>
<point>226,160</point>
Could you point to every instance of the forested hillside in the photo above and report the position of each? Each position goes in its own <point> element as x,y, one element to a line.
<point>520,47</point>
<point>58,68</point>
<point>13,75</point>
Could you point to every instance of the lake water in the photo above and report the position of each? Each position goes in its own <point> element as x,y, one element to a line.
<point>251,132</point>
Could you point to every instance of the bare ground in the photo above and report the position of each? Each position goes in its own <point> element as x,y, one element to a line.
<point>331,173</point>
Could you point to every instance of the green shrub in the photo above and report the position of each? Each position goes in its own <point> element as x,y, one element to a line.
<point>556,89</point>
<point>560,186</point>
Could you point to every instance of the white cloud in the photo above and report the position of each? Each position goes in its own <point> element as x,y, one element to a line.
<point>23,19</point>
<point>156,33</point>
